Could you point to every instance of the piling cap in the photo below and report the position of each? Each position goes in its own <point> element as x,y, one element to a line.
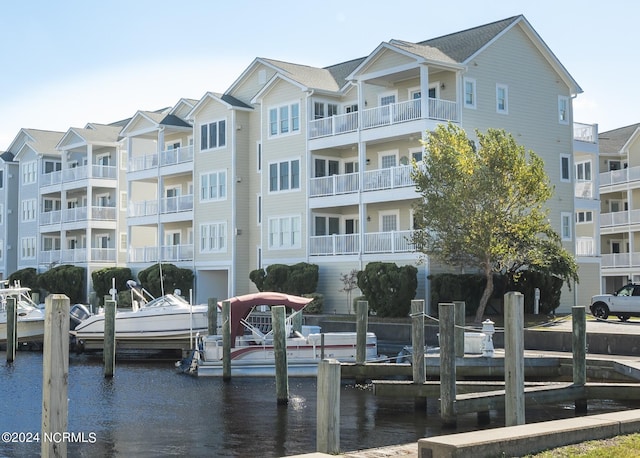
<point>487,326</point>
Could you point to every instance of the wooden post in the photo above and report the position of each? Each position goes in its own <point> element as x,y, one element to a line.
<point>212,316</point>
<point>362,314</point>
<point>447,365</point>
<point>460,322</point>
<point>12,328</point>
<point>109,345</point>
<point>417,341</point>
<point>514,359</point>
<point>226,340</point>
<point>278,316</point>
<point>55,375</point>
<point>579,344</point>
<point>328,408</point>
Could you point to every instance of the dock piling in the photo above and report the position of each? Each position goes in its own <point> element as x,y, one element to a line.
<point>579,345</point>
<point>417,344</point>
<point>460,322</point>
<point>447,365</point>
<point>12,328</point>
<point>362,324</point>
<point>514,358</point>
<point>328,409</point>
<point>55,375</point>
<point>226,340</point>
<point>278,316</point>
<point>109,345</point>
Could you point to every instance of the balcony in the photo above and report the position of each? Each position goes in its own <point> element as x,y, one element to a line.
<point>374,243</point>
<point>395,113</point>
<point>164,158</point>
<point>143,208</point>
<point>584,190</point>
<point>620,218</point>
<point>585,132</point>
<point>374,180</point>
<point>613,177</point>
<point>171,253</point>
<point>585,246</point>
<point>70,215</point>
<point>620,260</point>
<point>177,204</point>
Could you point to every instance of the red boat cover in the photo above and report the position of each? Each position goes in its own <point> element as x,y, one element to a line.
<point>241,306</point>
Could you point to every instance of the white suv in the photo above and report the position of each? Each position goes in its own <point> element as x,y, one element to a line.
<point>624,303</point>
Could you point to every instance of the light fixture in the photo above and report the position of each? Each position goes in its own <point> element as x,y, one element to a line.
<point>442,86</point>
<point>368,161</point>
<point>368,219</point>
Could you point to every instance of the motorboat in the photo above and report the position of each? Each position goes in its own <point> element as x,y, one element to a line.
<point>30,319</point>
<point>167,322</point>
<point>252,348</point>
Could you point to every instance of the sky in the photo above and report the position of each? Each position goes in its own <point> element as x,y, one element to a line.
<point>66,63</point>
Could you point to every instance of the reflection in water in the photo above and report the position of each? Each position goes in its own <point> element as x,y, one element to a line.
<point>147,409</point>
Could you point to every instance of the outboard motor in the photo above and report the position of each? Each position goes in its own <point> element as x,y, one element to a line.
<point>77,314</point>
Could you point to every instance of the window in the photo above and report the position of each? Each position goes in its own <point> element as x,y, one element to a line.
<point>1,213</point>
<point>1,179</point>
<point>387,99</point>
<point>324,110</point>
<point>284,232</point>
<point>502,98</point>
<point>470,93</point>
<point>50,243</point>
<point>416,154</point>
<point>326,167</point>
<point>50,205</point>
<point>52,166</point>
<point>563,109</point>
<point>565,170</point>
<point>583,171</point>
<point>259,209</point>
<point>284,176</point>
<point>617,165</point>
<point>29,210</point>
<point>389,221</point>
<point>213,185</point>
<point>213,135</point>
<point>388,159</point>
<point>259,155</point>
<point>284,119</point>
<point>28,172</point>
<point>28,247</point>
<point>213,237</point>
<point>327,225</point>
<point>565,222</point>
<point>584,217</point>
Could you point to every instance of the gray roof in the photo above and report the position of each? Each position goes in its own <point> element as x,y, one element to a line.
<point>99,133</point>
<point>173,120</point>
<point>6,156</point>
<point>341,71</point>
<point>612,141</point>
<point>45,141</point>
<point>459,46</point>
<point>312,77</point>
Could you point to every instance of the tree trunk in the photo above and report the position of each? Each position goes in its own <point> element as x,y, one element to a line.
<point>486,295</point>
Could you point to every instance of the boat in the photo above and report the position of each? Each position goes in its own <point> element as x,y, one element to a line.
<point>167,322</point>
<point>252,348</point>
<point>30,319</point>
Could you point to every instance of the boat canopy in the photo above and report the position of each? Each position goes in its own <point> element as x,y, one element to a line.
<point>241,307</point>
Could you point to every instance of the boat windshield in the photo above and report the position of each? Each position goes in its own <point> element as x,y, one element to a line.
<point>168,300</point>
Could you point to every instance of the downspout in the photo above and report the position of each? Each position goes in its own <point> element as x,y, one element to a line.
<point>234,198</point>
<point>308,178</point>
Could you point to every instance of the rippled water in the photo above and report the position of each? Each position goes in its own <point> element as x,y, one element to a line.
<point>147,409</point>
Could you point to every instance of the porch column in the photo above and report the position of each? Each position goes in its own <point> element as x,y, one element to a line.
<point>90,160</point>
<point>362,207</point>
<point>424,91</point>
<point>630,233</point>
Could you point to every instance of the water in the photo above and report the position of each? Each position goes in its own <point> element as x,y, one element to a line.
<point>147,409</point>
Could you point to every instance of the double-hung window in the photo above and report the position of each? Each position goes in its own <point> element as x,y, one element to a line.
<point>470,93</point>
<point>29,172</point>
<point>213,185</point>
<point>565,226</point>
<point>565,170</point>
<point>213,237</point>
<point>284,176</point>
<point>213,135</point>
<point>284,232</point>
<point>563,109</point>
<point>284,119</point>
<point>502,98</point>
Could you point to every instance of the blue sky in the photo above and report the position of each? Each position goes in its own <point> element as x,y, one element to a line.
<point>66,63</point>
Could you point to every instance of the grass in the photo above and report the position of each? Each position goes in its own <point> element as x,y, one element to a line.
<point>617,447</point>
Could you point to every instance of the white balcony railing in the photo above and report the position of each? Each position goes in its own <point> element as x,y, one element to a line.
<point>392,177</point>
<point>50,217</point>
<point>584,189</point>
<point>171,253</point>
<point>585,246</point>
<point>146,162</point>
<point>585,132</point>
<point>620,176</point>
<point>617,260</point>
<point>439,109</point>
<point>177,204</point>
<point>334,185</point>
<point>75,214</point>
<point>143,208</point>
<point>374,242</point>
<point>620,218</point>
<point>164,158</point>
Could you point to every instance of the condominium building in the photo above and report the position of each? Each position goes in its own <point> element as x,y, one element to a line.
<point>620,206</point>
<point>297,163</point>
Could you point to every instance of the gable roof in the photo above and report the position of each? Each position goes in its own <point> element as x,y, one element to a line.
<point>40,141</point>
<point>614,141</point>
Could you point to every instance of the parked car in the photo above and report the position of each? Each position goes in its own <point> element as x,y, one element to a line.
<point>624,303</point>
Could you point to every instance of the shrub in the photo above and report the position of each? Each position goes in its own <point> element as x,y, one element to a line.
<point>102,281</point>
<point>172,278</point>
<point>65,279</point>
<point>316,306</point>
<point>27,277</point>
<point>388,288</point>
<point>298,279</point>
